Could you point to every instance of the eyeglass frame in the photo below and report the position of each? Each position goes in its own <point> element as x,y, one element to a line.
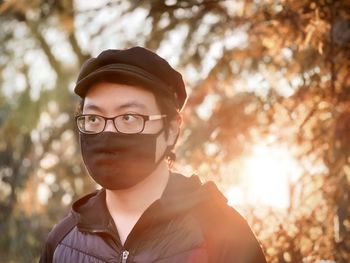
<point>145,118</point>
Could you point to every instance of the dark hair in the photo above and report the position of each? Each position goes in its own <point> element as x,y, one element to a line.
<point>167,106</point>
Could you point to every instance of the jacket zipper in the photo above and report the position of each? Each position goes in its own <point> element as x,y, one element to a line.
<point>125,253</point>
<point>125,256</point>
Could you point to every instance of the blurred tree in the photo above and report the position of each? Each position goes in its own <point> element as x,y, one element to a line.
<point>254,69</point>
<point>36,128</point>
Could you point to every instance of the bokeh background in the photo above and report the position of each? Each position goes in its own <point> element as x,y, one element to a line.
<point>268,118</point>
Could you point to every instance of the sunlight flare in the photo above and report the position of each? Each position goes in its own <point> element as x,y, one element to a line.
<point>266,178</point>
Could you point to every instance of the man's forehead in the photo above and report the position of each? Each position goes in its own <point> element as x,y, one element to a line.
<point>93,105</point>
<point>113,98</point>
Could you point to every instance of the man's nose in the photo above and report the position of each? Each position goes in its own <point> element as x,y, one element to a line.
<point>110,126</point>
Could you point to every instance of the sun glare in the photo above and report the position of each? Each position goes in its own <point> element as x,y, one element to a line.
<point>266,176</point>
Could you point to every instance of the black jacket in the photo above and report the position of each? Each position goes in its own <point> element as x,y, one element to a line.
<point>191,222</point>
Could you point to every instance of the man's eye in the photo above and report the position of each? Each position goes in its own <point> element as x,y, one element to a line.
<point>92,119</point>
<point>129,117</point>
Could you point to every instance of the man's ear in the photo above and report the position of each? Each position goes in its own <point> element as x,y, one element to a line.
<point>174,130</point>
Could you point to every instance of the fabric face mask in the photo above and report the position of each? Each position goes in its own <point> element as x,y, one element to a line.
<point>119,161</point>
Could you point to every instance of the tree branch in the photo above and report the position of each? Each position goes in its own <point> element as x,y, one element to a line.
<point>55,64</point>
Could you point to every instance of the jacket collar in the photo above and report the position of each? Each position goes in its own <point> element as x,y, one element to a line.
<point>180,195</point>
<point>93,214</point>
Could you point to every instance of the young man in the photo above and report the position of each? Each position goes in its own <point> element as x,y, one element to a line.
<point>128,125</point>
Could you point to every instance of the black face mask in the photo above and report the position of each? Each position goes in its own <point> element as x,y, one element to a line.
<point>119,161</point>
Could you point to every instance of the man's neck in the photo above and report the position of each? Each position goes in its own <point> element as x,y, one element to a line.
<point>137,199</point>
<point>127,206</point>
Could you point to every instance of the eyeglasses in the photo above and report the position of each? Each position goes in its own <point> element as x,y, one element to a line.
<point>125,123</point>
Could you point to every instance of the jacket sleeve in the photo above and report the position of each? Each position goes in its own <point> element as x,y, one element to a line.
<point>55,236</point>
<point>242,244</point>
<point>229,238</point>
<point>246,241</point>
<point>46,253</point>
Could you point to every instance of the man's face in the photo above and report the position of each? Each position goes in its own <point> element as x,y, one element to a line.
<point>112,99</point>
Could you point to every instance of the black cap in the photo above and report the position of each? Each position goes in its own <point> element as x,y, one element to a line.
<point>136,65</point>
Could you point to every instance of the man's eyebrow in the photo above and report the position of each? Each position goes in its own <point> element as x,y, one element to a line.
<point>132,104</point>
<point>89,106</point>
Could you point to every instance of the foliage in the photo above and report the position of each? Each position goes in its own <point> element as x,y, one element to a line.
<point>254,70</point>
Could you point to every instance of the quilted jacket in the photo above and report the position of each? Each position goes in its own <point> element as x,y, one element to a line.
<point>191,222</point>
